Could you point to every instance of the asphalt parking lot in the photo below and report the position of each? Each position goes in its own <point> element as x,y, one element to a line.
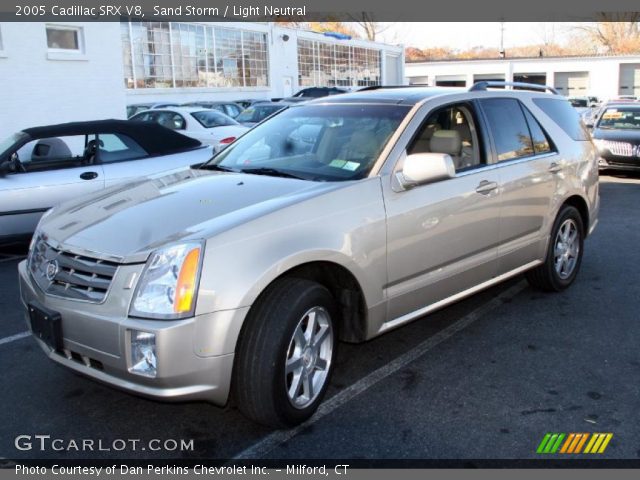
<point>483,379</point>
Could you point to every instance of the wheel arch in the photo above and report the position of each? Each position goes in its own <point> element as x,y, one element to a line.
<point>580,204</point>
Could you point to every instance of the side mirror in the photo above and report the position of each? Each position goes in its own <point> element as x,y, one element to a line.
<point>421,168</point>
<point>5,166</point>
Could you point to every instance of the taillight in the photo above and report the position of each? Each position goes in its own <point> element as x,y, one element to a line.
<point>227,141</point>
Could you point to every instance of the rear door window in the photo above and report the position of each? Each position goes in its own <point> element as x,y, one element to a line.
<point>508,127</point>
<point>541,143</point>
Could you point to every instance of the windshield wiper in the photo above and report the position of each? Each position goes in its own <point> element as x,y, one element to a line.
<point>214,166</point>
<point>274,172</point>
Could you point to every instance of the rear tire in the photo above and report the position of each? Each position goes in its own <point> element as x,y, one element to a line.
<point>286,353</point>
<point>564,253</point>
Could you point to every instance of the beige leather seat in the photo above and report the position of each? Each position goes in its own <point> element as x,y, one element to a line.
<point>467,152</point>
<point>423,143</point>
<point>362,145</point>
<point>449,142</point>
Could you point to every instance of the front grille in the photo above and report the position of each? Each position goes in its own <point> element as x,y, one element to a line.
<point>621,149</point>
<point>68,275</point>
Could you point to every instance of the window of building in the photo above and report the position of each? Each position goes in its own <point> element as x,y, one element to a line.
<point>328,65</point>
<point>64,39</point>
<point>183,55</point>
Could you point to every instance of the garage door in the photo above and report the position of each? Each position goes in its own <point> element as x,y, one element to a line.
<point>572,84</point>
<point>451,80</point>
<point>630,79</point>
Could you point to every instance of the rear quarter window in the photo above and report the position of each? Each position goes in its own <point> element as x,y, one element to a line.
<point>565,116</point>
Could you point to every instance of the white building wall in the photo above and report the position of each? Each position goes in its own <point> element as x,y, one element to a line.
<point>604,72</point>
<point>41,88</point>
<point>38,88</point>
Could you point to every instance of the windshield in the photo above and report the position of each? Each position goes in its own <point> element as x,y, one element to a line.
<point>620,118</point>
<point>258,113</point>
<point>7,145</point>
<point>316,142</point>
<point>579,102</point>
<point>210,119</point>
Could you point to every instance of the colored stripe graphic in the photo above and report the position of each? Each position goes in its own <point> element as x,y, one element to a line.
<point>568,443</point>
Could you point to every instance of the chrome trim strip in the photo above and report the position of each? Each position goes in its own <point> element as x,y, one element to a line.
<point>396,322</point>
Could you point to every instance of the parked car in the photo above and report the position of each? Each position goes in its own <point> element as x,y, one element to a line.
<point>245,272</point>
<point>247,102</point>
<point>312,93</point>
<point>208,126</point>
<point>616,133</point>
<point>228,108</point>
<point>43,166</point>
<point>141,107</point>
<point>259,111</point>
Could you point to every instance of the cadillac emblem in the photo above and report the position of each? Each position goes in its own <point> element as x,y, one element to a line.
<point>52,270</point>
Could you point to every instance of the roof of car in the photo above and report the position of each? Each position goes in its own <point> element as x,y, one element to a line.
<point>406,95</point>
<point>154,138</point>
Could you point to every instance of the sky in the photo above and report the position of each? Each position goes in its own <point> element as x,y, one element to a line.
<point>465,35</point>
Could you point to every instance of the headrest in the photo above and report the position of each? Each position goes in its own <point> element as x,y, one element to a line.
<point>49,148</point>
<point>446,141</point>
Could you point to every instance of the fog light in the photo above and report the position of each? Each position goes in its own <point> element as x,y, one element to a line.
<point>143,353</point>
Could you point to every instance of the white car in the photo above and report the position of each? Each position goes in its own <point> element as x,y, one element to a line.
<point>209,126</point>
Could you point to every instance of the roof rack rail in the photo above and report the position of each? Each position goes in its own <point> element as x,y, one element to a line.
<point>378,87</point>
<point>482,86</point>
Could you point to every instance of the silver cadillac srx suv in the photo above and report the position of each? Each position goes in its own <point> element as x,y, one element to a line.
<point>338,219</point>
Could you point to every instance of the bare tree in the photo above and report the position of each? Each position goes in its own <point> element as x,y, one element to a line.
<point>617,33</point>
<point>370,27</point>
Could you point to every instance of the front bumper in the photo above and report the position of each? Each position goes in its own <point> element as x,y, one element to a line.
<point>194,356</point>
<point>615,163</point>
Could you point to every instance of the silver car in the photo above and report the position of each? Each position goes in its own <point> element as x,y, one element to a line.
<point>41,167</point>
<point>241,276</point>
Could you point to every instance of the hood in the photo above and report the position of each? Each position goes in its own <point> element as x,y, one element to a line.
<point>617,135</point>
<point>126,222</point>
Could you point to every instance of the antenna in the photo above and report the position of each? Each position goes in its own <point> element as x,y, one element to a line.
<point>502,53</point>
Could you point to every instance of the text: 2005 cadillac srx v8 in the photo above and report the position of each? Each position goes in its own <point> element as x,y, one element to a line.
<point>337,219</point>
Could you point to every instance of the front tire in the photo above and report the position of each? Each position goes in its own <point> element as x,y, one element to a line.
<point>286,353</point>
<point>564,253</point>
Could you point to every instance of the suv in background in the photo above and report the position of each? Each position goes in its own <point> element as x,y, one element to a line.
<point>333,220</point>
<point>312,93</point>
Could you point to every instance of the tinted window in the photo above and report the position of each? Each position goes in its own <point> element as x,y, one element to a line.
<point>541,143</point>
<point>508,127</point>
<point>564,115</point>
<point>212,118</point>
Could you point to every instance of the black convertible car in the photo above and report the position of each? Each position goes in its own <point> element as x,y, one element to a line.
<point>616,133</point>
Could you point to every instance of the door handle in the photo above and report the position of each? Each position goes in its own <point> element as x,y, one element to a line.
<point>554,167</point>
<point>88,175</point>
<point>485,187</point>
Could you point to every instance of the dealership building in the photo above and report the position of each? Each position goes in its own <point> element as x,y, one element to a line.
<point>602,76</point>
<point>60,72</point>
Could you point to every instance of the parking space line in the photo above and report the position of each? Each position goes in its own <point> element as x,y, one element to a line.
<point>13,338</point>
<point>271,441</point>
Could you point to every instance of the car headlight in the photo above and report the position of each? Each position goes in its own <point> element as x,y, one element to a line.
<point>168,285</point>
